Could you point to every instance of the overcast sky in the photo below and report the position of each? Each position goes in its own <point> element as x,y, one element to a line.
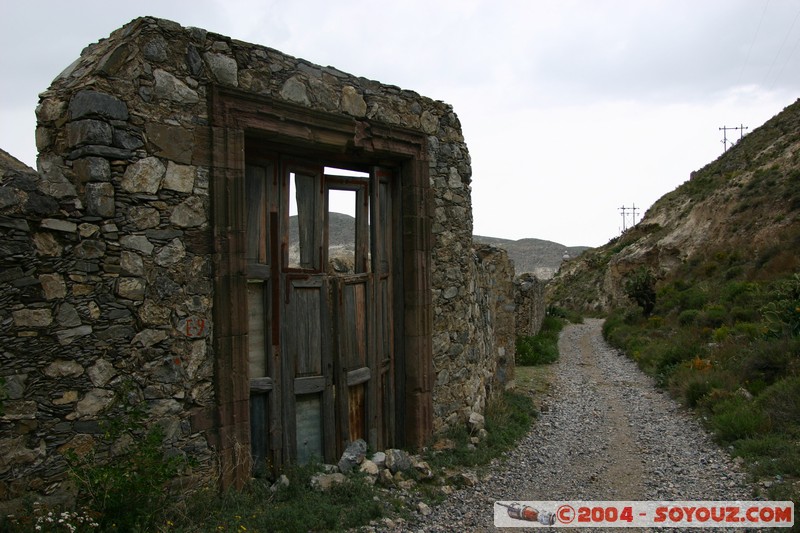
<point>571,109</point>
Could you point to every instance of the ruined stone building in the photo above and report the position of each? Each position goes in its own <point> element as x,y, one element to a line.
<point>172,251</point>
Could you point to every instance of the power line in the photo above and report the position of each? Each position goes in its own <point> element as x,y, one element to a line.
<point>753,42</point>
<point>774,61</point>
<point>788,59</point>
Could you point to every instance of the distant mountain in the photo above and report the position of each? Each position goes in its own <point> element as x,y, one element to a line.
<point>341,240</point>
<point>539,257</point>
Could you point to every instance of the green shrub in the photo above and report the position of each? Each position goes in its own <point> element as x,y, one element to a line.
<point>294,507</point>
<point>536,350</point>
<point>129,490</point>
<point>688,317</point>
<point>743,314</point>
<point>508,418</point>
<point>640,286</point>
<point>663,354</point>
<point>737,418</point>
<point>695,387</point>
<point>713,316</point>
<point>772,454</point>
<point>696,390</point>
<point>780,402</point>
<point>541,348</point>
<point>747,329</point>
<point>738,291</point>
<point>692,298</point>
<point>566,314</point>
<point>769,360</point>
<point>782,312</point>
<point>721,333</point>
<point>128,493</point>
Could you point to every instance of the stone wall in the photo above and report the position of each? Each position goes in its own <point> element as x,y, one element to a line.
<point>530,304</point>
<point>474,336</point>
<point>107,255</point>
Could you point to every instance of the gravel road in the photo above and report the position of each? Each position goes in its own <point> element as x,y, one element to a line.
<point>605,433</point>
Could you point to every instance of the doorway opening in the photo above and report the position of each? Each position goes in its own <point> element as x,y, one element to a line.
<point>320,301</point>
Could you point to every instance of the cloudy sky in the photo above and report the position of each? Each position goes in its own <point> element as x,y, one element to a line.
<point>571,109</point>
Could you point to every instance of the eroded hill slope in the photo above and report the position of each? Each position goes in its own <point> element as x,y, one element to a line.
<point>744,206</point>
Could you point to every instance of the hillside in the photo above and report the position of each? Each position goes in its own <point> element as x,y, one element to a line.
<point>745,206</point>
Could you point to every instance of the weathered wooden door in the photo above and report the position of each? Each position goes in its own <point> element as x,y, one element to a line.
<point>306,349</point>
<point>320,312</point>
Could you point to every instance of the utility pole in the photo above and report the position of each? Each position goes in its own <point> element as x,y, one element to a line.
<point>625,210</point>
<point>741,131</point>
<point>724,130</point>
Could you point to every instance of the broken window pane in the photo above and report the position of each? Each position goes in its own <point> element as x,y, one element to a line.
<point>341,231</point>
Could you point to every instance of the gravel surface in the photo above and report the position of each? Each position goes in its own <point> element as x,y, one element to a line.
<point>605,433</point>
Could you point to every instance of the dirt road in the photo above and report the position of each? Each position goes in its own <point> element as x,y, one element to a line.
<point>605,433</point>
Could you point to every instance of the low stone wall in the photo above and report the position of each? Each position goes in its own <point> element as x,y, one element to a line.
<point>530,304</point>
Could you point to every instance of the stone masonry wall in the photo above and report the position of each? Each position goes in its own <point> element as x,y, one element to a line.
<point>530,304</point>
<point>474,337</point>
<point>106,261</point>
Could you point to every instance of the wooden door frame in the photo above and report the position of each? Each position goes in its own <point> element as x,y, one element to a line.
<point>236,115</point>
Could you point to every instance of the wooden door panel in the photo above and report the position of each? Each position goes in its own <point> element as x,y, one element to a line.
<point>259,439</point>
<point>305,353</point>
<point>357,410</point>
<point>303,342</point>
<point>353,323</point>
<point>310,440</point>
<point>355,356</point>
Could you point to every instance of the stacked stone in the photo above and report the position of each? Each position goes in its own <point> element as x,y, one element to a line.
<point>473,337</point>
<point>100,279</point>
<point>529,299</point>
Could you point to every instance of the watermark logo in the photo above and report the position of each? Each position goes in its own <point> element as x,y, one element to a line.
<point>701,514</point>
